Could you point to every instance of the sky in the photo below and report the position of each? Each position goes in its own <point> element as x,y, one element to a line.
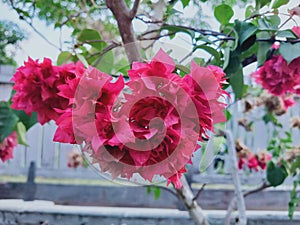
<point>37,48</point>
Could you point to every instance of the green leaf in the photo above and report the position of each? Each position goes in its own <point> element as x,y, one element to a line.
<point>83,60</point>
<point>289,51</point>
<point>27,120</point>
<point>211,51</point>
<point>236,80</point>
<point>199,61</point>
<point>273,20</point>
<point>261,3</point>
<point>249,11</point>
<point>245,30</point>
<point>8,120</point>
<point>182,68</point>
<point>106,63</point>
<point>91,37</point>
<point>223,13</point>
<point>21,133</point>
<point>157,192</point>
<point>63,57</point>
<point>278,3</point>
<point>286,34</point>
<point>276,174</point>
<point>185,3</point>
<point>295,165</point>
<point>226,57</point>
<point>269,117</point>
<point>228,114</point>
<point>176,29</point>
<point>263,48</point>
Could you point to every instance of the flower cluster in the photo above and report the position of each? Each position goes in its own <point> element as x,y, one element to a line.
<point>280,78</point>
<point>246,158</point>
<point>37,86</point>
<point>296,30</point>
<point>7,146</point>
<point>147,126</point>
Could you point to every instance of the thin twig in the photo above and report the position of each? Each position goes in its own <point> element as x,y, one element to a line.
<point>105,50</point>
<point>157,37</point>
<point>232,204</point>
<point>199,192</point>
<point>255,190</point>
<point>42,36</point>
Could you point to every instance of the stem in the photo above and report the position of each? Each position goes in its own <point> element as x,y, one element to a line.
<point>236,180</point>
<point>187,197</point>
<point>124,19</point>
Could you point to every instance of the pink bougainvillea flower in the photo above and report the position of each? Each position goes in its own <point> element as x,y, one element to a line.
<point>252,162</point>
<point>296,30</point>
<point>276,45</point>
<point>36,86</point>
<point>152,128</point>
<point>277,76</point>
<point>7,146</point>
<point>263,158</point>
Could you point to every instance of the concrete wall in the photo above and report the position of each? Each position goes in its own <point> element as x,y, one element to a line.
<point>16,212</point>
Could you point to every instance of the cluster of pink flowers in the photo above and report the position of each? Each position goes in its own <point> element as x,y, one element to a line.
<point>280,78</point>
<point>296,30</point>
<point>37,86</point>
<point>147,126</point>
<point>254,161</point>
<point>7,146</point>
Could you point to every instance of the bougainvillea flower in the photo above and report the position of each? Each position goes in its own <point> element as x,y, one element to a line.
<point>7,146</point>
<point>279,77</point>
<point>151,128</point>
<point>263,158</point>
<point>36,86</point>
<point>296,30</point>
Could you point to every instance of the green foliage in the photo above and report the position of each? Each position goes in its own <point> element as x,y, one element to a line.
<point>156,191</point>
<point>21,132</point>
<point>289,51</point>
<point>8,120</point>
<point>223,13</point>
<point>294,199</point>
<point>276,174</point>
<point>64,57</point>
<point>10,34</point>
<point>91,37</point>
<point>185,3</point>
<point>278,3</point>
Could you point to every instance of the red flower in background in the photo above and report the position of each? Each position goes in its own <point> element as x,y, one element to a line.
<point>278,77</point>
<point>36,86</point>
<point>296,30</point>
<point>7,146</point>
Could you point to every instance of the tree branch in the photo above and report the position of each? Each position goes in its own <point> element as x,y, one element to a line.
<point>187,197</point>
<point>134,9</point>
<point>122,15</point>
<point>232,204</point>
<point>236,180</point>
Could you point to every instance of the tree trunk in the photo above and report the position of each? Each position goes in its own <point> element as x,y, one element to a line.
<point>124,18</point>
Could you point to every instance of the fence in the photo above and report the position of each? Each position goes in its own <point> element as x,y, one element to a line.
<point>51,157</point>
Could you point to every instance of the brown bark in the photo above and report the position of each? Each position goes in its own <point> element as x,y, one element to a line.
<point>124,18</point>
